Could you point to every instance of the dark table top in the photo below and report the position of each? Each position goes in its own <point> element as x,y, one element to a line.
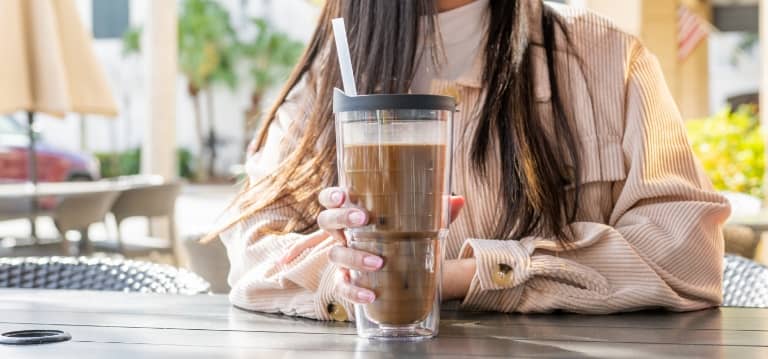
<point>123,325</point>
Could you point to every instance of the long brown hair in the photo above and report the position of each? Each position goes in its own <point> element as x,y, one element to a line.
<point>384,43</point>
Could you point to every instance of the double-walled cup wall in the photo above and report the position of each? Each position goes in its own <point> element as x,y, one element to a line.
<point>394,160</point>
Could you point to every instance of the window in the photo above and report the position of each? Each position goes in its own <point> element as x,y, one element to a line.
<point>110,18</point>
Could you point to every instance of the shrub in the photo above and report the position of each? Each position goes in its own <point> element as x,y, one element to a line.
<point>126,163</point>
<point>731,149</point>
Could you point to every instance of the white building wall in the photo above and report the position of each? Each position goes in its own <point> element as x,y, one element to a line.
<point>731,72</point>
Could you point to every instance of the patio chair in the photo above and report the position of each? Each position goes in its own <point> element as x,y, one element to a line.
<point>745,283</point>
<point>77,213</point>
<point>100,274</point>
<point>26,209</point>
<point>740,240</point>
<point>209,260</point>
<point>153,201</point>
<point>11,209</point>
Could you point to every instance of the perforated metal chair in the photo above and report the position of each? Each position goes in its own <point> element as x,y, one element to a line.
<point>101,274</point>
<point>745,283</point>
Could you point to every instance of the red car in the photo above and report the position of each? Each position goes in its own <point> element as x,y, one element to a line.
<point>53,164</point>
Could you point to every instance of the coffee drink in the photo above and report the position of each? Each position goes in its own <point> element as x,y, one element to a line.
<point>402,187</point>
<point>406,286</point>
<point>394,159</point>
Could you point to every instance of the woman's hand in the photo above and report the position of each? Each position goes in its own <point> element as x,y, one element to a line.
<point>333,220</point>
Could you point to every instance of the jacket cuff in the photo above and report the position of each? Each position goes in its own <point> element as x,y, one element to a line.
<point>500,264</point>
<point>497,300</point>
<point>329,306</point>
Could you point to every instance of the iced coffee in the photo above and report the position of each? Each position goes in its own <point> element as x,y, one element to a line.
<point>394,162</point>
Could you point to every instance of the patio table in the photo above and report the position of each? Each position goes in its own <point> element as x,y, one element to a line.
<point>12,191</point>
<point>17,200</point>
<point>124,325</point>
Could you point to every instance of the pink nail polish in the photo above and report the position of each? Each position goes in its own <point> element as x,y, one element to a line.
<point>337,197</point>
<point>372,262</point>
<point>365,296</point>
<point>357,218</point>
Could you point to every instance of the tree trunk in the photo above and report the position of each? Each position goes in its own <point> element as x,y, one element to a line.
<point>211,133</point>
<point>201,174</point>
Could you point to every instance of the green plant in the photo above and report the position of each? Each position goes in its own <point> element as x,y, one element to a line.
<point>186,163</point>
<point>207,44</point>
<point>731,148</point>
<point>132,41</point>
<point>115,164</point>
<point>748,43</point>
<point>126,163</point>
<point>270,55</point>
<point>207,54</point>
<point>208,50</point>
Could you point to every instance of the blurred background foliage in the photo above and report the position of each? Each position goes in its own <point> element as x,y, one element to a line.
<point>132,41</point>
<point>207,44</point>
<point>269,56</point>
<point>731,149</point>
<point>210,54</point>
<point>128,163</point>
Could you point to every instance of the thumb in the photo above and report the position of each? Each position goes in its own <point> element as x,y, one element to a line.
<point>303,244</point>
<point>457,203</point>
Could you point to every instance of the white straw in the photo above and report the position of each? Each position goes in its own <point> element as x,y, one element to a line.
<point>345,61</point>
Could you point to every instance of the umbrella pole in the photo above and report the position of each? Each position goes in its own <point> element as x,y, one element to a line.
<point>32,168</point>
<point>32,155</point>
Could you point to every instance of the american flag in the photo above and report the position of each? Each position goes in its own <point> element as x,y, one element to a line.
<point>692,29</point>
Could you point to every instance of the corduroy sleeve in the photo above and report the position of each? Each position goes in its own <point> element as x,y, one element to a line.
<point>662,247</point>
<point>259,280</point>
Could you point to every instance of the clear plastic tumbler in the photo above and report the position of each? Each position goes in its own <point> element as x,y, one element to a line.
<point>394,161</point>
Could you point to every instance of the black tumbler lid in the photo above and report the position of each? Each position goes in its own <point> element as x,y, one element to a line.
<point>344,103</point>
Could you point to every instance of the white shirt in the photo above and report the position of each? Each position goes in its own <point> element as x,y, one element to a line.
<point>462,36</point>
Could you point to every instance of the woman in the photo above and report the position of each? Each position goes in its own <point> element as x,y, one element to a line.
<point>581,191</point>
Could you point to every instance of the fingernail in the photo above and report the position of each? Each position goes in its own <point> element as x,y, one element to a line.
<point>356,218</point>
<point>365,296</point>
<point>337,197</point>
<point>372,262</point>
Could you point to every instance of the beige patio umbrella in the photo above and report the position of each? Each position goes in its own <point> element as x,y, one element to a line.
<point>47,64</point>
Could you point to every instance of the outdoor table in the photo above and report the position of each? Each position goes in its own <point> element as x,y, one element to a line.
<point>130,325</point>
<point>54,189</point>
<point>11,191</point>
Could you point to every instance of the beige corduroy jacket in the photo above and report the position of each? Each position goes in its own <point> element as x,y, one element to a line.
<point>648,233</point>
